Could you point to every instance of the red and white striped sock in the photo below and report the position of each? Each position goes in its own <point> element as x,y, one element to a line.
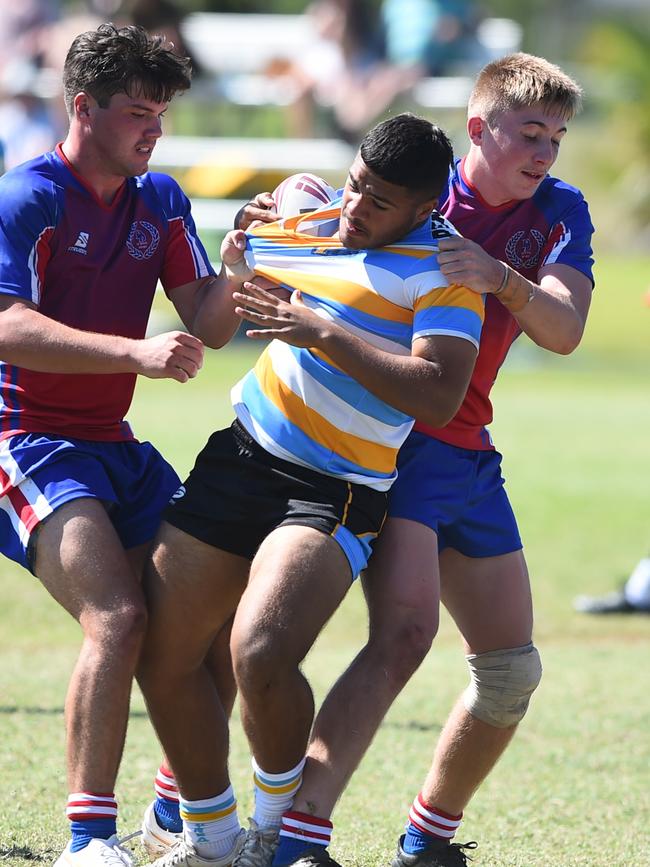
<point>432,820</point>
<point>165,784</point>
<point>86,806</point>
<point>309,829</point>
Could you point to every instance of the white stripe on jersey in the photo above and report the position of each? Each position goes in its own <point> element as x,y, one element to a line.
<point>32,264</point>
<point>339,413</point>
<point>374,339</point>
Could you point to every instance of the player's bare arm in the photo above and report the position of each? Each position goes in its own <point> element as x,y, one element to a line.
<point>556,316</point>
<point>562,295</point>
<point>429,384</point>
<point>32,340</point>
<point>206,309</point>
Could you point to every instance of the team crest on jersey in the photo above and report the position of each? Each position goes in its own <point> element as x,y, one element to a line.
<point>143,240</point>
<point>524,248</point>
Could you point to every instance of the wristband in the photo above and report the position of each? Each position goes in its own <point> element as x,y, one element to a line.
<point>504,279</point>
<point>509,298</point>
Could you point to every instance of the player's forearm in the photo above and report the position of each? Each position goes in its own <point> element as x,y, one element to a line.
<point>545,311</point>
<point>215,321</point>
<point>34,341</point>
<point>552,322</point>
<point>415,386</point>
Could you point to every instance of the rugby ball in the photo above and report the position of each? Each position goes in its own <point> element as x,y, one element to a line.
<point>302,193</point>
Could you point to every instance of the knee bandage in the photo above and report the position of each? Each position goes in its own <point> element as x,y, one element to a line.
<point>502,684</point>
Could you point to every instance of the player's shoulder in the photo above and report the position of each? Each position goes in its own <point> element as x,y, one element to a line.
<point>36,183</point>
<point>441,227</point>
<point>165,189</point>
<point>427,236</point>
<point>416,253</point>
<point>158,181</point>
<point>37,174</point>
<point>555,193</point>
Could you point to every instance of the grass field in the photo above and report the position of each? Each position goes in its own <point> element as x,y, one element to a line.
<point>573,788</point>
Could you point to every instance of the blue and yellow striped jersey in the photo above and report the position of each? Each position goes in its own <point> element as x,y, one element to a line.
<point>296,403</point>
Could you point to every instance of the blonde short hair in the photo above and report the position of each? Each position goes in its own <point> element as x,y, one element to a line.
<point>520,80</point>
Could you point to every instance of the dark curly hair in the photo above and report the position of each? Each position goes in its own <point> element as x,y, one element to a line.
<point>128,60</point>
<point>411,152</point>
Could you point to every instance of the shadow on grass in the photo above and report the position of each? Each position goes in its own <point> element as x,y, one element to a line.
<point>26,854</point>
<point>9,710</point>
<point>413,726</point>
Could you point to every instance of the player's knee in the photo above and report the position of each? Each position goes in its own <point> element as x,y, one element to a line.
<point>120,626</point>
<point>257,659</point>
<point>502,682</point>
<point>400,648</point>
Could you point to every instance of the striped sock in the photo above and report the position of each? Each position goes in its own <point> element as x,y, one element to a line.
<point>211,824</point>
<point>91,814</point>
<point>299,832</point>
<point>166,805</point>
<point>274,794</point>
<point>427,824</point>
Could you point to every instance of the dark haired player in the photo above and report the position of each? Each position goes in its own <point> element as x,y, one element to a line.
<point>294,492</point>
<point>85,236</point>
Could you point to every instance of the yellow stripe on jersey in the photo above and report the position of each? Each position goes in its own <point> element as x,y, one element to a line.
<point>363,452</point>
<point>333,288</point>
<point>455,295</point>
<point>413,252</point>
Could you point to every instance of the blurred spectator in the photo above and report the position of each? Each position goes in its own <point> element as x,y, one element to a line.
<point>28,126</point>
<point>27,123</point>
<point>345,71</point>
<point>162,17</point>
<point>431,35</point>
<point>24,25</point>
<point>634,597</point>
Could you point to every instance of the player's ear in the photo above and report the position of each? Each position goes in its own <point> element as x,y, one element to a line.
<point>426,208</point>
<point>82,105</point>
<point>475,127</point>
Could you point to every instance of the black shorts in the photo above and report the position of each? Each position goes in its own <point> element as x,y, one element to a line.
<point>237,493</point>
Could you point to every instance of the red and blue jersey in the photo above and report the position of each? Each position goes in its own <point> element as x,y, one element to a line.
<point>552,226</point>
<point>94,267</point>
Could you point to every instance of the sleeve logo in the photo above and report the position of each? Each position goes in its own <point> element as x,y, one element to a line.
<point>557,241</point>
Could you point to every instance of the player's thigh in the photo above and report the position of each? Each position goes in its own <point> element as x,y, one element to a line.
<point>402,581</point>
<point>489,598</point>
<point>298,579</point>
<point>80,560</point>
<point>192,589</point>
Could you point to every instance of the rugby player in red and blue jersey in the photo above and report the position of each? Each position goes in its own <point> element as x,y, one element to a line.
<point>451,533</point>
<point>86,234</point>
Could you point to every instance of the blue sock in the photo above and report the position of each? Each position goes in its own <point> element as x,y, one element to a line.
<point>84,832</point>
<point>289,849</point>
<point>168,815</point>
<point>416,840</point>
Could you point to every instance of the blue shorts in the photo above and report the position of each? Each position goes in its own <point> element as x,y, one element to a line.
<point>457,492</point>
<point>39,473</point>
